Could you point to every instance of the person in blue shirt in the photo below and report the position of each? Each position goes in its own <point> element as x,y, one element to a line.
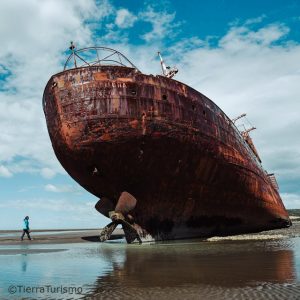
<point>26,228</point>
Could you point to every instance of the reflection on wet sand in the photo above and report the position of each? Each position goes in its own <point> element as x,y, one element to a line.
<point>195,265</point>
<point>24,262</point>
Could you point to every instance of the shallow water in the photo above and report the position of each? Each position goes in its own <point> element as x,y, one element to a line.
<point>194,269</point>
<point>19,233</point>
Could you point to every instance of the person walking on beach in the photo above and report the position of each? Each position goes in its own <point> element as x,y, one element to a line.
<point>26,228</point>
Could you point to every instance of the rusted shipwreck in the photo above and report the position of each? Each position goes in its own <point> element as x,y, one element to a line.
<point>165,161</point>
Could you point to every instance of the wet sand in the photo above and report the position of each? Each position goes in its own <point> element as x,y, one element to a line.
<point>290,232</point>
<point>57,236</point>
<point>28,251</point>
<point>257,266</point>
<point>61,236</point>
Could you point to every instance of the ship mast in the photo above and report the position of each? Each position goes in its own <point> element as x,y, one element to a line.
<point>72,47</point>
<point>246,136</point>
<point>167,70</point>
<point>238,117</point>
<point>248,140</point>
<point>246,132</point>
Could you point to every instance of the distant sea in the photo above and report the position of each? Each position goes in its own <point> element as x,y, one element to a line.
<point>294,212</point>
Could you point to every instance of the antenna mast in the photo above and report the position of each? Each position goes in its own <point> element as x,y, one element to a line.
<point>167,70</point>
<point>72,47</point>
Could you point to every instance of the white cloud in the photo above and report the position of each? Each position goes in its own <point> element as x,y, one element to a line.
<point>124,18</point>
<point>3,71</point>
<point>31,49</point>
<point>62,188</point>
<point>47,173</point>
<point>255,20</point>
<point>162,22</point>
<point>4,172</point>
<point>239,37</point>
<point>51,188</point>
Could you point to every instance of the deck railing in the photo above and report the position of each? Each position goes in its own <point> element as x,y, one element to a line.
<point>96,56</point>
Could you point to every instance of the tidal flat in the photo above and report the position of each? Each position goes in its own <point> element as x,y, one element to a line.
<point>264,265</point>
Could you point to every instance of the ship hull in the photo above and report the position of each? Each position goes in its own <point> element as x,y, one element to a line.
<point>172,148</point>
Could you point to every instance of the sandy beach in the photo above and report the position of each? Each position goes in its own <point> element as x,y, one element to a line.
<point>264,265</point>
<point>66,236</point>
<point>55,236</point>
<point>61,236</point>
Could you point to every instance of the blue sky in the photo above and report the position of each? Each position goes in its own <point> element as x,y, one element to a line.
<point>244,55</point>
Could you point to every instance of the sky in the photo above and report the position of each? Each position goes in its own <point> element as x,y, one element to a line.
<point>244,55</point>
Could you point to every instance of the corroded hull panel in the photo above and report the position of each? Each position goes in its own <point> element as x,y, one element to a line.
<point>171,147</point>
